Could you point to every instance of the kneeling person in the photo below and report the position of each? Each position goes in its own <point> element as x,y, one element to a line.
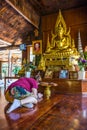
<point>21,92</point>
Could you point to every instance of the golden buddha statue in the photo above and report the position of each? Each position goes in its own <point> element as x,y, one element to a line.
<point>61,47</point>
<point>60,40</point>
<point>41,65</point>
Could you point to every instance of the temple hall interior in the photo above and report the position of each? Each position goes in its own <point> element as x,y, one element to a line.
<point>43,64</point>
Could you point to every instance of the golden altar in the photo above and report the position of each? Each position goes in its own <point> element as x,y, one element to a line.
<point>61,52</point>
<point>60,49</point>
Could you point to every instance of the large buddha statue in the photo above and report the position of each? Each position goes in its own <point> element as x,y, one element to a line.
<point>60,40</point>
<point>60,46</point>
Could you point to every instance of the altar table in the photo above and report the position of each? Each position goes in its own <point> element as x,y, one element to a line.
<point>68,86</point>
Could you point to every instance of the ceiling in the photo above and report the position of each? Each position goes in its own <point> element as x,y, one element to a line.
<point>45,7</point>
<point>19,18</point>
<point>13,27</point>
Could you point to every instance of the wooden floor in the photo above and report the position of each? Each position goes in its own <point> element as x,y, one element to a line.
<point>61,112</point>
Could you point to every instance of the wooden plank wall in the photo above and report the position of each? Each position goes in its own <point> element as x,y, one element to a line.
<point>76,19</point>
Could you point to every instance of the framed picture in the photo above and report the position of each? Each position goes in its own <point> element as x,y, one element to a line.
<point>63,74</point>
<point>48,74</point>
<point>37,47</point>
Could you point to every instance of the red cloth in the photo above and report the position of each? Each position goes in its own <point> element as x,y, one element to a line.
<point>24,82</point>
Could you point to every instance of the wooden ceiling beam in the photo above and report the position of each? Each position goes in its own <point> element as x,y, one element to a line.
<point>38,7</point>
<point>13,27</point>
<point>25,11</point>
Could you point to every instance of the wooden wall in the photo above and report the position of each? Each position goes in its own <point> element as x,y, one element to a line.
<point>76,19</point>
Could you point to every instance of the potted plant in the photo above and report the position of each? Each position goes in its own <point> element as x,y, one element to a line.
<point>16,70</point>
<point>82,63</point>
<point>29,67</point>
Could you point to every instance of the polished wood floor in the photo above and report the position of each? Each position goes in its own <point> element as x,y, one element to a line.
<point>60,112</point>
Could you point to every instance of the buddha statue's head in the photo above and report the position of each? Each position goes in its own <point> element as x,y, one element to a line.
<point>59,30</point>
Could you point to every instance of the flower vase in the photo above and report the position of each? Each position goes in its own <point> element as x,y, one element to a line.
<point>81,74</point>
<point>28,74</point>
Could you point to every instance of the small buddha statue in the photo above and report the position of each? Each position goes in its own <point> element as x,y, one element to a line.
<point>41,65</point>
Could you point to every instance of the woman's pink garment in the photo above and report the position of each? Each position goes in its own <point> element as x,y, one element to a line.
<point>24,82</point>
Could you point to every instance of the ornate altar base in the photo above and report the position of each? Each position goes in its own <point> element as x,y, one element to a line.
<point>67,86</point>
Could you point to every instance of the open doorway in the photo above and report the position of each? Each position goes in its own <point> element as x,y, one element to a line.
<point>10,64</point>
